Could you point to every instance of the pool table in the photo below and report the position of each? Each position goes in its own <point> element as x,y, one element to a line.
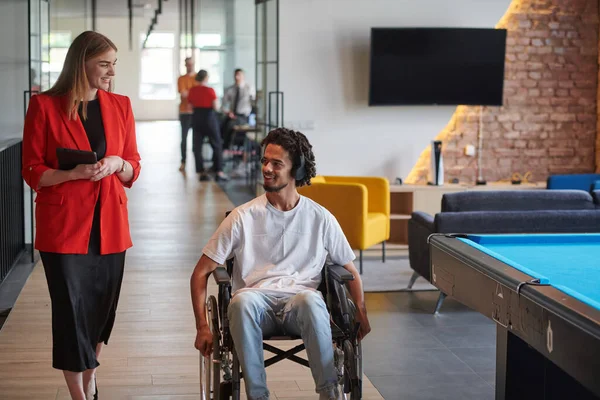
<point>543,292</point>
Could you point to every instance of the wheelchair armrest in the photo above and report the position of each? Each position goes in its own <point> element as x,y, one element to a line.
<point>339,273</point>
<point>221,276</point>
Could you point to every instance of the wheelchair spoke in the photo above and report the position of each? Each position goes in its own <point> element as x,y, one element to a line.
<point>352,365</point>
<point>237,376</point>
<point>204,383</point>
<point>360,360</point>
<point>210,367</point>
<point>208,370</point>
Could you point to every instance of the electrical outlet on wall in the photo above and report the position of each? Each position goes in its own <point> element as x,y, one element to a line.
<point>470,150</point>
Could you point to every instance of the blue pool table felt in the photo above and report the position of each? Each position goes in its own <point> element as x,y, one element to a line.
<point>569,262</point>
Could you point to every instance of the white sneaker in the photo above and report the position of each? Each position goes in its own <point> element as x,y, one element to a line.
<point>334,394</point>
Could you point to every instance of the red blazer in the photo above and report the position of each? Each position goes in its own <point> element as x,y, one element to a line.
<point>64,212</point>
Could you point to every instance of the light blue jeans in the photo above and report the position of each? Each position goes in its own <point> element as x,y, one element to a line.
<point>253,314</point>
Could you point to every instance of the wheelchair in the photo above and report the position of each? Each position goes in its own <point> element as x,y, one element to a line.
<point>220,373</point>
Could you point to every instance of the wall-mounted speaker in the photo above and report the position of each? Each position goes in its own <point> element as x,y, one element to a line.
<point>436,169</point>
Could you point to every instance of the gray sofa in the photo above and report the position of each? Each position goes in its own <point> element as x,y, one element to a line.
<point>519,211</point>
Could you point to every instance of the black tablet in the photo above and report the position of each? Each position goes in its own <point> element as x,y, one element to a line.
<point>69,158</point>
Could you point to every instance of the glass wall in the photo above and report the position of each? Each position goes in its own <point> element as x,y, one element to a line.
<point>224,40</point>
<point>58,44</point>
<point>39,51</point>
<point>209,55</point>
<point>269,101</point>
<point>157,67</point>
<point>67,19</point>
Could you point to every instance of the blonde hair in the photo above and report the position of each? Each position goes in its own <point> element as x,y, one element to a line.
<point>73,81</point>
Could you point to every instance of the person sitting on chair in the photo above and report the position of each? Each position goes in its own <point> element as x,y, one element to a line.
<point>238,101</point>
<point>280,242</point>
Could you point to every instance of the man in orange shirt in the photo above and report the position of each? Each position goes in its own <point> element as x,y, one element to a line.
<point>184,84</point>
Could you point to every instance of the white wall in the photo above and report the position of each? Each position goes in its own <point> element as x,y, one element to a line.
<point>324,66</point>
<point>14,67</point>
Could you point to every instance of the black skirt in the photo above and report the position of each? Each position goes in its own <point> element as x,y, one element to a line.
<point>84,291</point>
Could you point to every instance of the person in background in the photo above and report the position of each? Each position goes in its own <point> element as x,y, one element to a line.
<point>82,227</point>
<point>184,84</point>
<point>205,123</point>
<point>238,101</point>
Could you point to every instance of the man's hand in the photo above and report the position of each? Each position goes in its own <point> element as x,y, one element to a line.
<point>358,296</point>
<point>198,282</point>
<point>108,166</point>
<point>204,341</point>
<point>365,327</point>
<point>231,115</point>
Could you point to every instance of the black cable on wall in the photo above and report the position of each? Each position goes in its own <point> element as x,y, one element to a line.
<point>94,10</point>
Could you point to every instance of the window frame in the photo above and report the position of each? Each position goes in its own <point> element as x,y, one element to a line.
<point>165,45</point>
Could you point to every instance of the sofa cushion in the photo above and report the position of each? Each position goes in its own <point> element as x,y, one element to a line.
<point>517,200</point>
<point>560,221</point>
<point>420,217</point>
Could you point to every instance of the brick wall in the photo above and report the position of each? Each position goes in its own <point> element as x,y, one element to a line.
<point>548,121</point>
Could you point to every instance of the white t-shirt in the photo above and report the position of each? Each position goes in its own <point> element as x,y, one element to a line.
<point>280,252</point>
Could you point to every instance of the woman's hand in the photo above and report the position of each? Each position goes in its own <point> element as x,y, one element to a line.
<point>84,171</point>
<point>107,166</point>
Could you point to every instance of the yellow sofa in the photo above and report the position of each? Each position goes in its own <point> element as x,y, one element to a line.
<point>360,204</point>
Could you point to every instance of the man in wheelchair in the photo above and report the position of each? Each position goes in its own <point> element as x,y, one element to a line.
<point>279,242</point>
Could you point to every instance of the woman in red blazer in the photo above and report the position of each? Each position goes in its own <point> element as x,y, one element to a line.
<point>82,228</point>
<point>204,123</point>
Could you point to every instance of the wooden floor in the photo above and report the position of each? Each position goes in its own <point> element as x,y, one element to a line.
<point>150,354</point>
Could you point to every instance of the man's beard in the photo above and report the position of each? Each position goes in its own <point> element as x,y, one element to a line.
<point>274,189</point>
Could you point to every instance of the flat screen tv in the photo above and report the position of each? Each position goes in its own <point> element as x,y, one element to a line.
<point>436,66</point>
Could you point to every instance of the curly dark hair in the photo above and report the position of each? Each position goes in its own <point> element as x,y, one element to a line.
<point>295,143</point>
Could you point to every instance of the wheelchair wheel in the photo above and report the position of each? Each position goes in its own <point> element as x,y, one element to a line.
<point>352,370</point>
<point>210,367</point>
